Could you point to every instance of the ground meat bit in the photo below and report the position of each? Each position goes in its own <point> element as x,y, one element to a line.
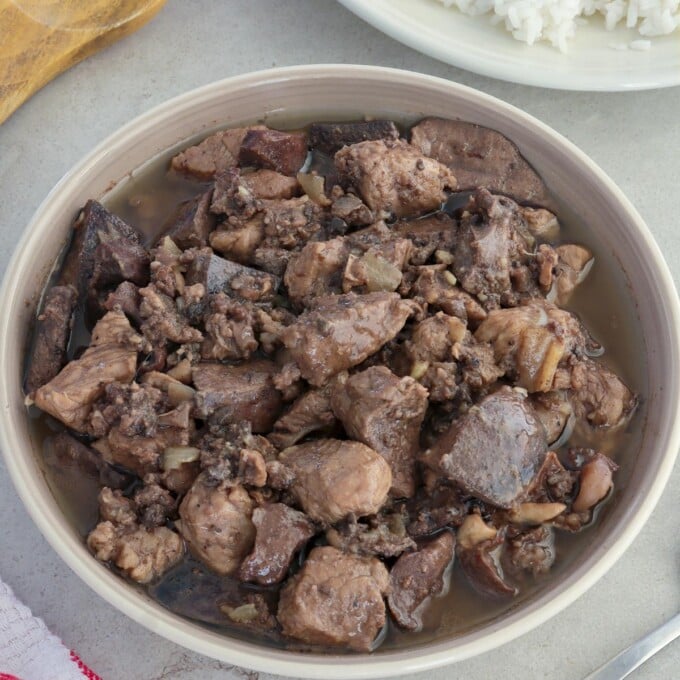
<point>309,413</point>
<point>384,535</point>
<point>141,554</point>
<point>116,508</point>
<point>214,154</point>
<point>480,157</point>
<point>529,550</point>
<point>433,509</point>
<point>216,523</point>
<point>52,332</point>
<point>416,577</point>
<point>229,328</point>
<point>154,504</point>
<point>428,235</point>
<point>552,483</point>
<point>342,331</point>
<point>494,450</point>
<point>252,468</point>
<point>281,532</point>
<point>231,394</point>
<point>111,357</point>
<point>284,152</point>
<point>393,177</point>
<point>335,599</point>
<point>478,366</point>
<point>251,612</point>
<point>273,260</point>
<point>334,478</point>
<point>384,412</point>
<point>441,379</point>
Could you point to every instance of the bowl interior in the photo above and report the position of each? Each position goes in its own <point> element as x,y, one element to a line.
<point>308,93</point>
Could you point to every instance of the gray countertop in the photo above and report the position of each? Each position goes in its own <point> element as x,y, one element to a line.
<point>634,137</point>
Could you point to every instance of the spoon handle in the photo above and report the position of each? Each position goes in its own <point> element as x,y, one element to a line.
<point>630,658</point>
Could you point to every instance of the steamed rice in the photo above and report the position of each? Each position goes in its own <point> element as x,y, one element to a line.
<point>556,20</point>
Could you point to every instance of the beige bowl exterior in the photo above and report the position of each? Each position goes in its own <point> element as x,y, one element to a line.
<point>339,91</point>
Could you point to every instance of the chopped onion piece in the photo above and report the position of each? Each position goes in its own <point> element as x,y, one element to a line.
<point>419,369</point>
<point>175,456</point>
<point>450,277</point>
<point>178,393</point>
<point>243,614</point>
<point>313,186</point>
<point>381,275</point>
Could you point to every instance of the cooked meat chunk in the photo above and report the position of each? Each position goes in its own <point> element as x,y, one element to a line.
<point>595,481</point>
<point>316,270</point>
<point>553,482</point>
<point>162,321</point>
<point>51,336</point>
<point>384,412</point>
<point>238,393</point>
<point>554,411</point>
<point>480,157</point>
<point>239,243</point>
<point>230,330</point>
<point>434,508</point>
<point>492,248</point>
<point>529,550</point>
<point>125,298</point>
<point>333,478</point>
<point>393,177</point>
<point>289,224</point>
<point>437,287</point>
<point>192,222</point>
<point>284,152</point>
<point>478,366</point>
<point>336,599</point>
<point>384,535</point>
<point>272,260</point>
<point>281,532</point>
<point>111,357</point>
<point>214,154</point>
<point>416,577</point>
<point>494,450</point>
<point>342,331</point>
<point>142,553</point>
<point>216,523</point>
<point>331,137</point>
<point>574,262</point>
<point>433,338</point>
<point>309,413</point>
<point>478,551</point>
<point>136,425</point>
<point>66,452</point>
<point>351,210</point>
<point>428,234</point>
<point>530,342</point>
<point>217,275</point>
<point>153,503</point>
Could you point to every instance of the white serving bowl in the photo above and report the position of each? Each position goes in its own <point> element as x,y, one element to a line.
<point>339,91</point>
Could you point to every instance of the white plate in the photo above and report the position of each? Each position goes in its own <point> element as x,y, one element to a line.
<point>475,44</point>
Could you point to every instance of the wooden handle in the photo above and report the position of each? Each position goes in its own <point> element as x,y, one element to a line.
<point>41,38</point>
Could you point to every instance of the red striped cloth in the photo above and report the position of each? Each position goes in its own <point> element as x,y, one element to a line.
<point>28,651</point>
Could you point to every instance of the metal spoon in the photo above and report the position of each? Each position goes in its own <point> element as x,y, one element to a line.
<point>630,658</point>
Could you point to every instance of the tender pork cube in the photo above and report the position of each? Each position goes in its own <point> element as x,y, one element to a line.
<point>336,599</point>
<point>531,341</point>
<point>216,523</point>
<point>309,413</point>
<point>284,152</point>
<point>334,478</point>
<point>111,357</point>
<point>395,178</point>
<point>494,450</point>
<point>192,222</point>
<point>230,330</point>
<point>162,321</point>
<point>317,270</point>
<point>125,298</point>
<point>240,242</point>
<point>52,332</point>
<point>428,235</point>
<point>351,210</point>
<point>383,535</point>
<point>529,550</point>
<point>281,532</point>
<point>599,396</point>
<point>480,157</point>
<point>238,393</point>
<point>289,224</point>
<point>331,137</point>
<point>491,254</point>
<point>217,275</point>
<point>342,331</point>
<point>216,153</point>
<point>418,576</point>
<point>384,412</point>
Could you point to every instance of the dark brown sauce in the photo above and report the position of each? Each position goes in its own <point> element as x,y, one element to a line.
<point>146,199</point>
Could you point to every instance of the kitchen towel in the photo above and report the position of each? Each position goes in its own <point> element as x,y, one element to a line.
<point>28,651</point>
